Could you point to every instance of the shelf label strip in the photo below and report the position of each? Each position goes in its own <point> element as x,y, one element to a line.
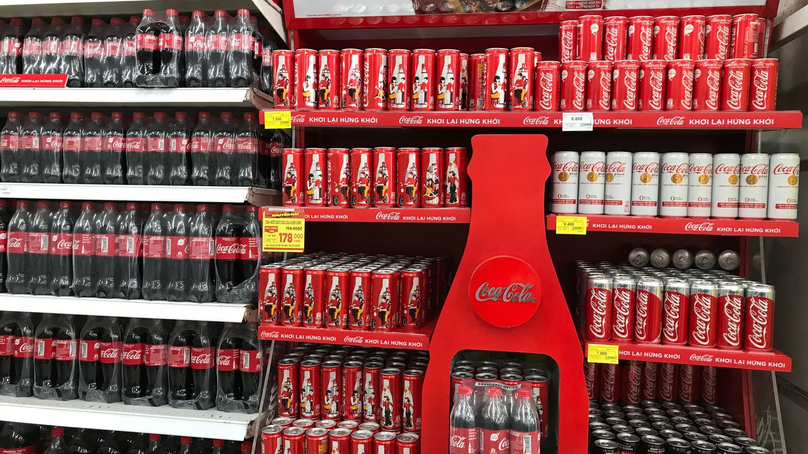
<point>571,225</point>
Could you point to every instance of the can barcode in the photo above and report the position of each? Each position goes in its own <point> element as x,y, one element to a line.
<point>43,243</point>
<point>130,245</point>
<point>104,244</point>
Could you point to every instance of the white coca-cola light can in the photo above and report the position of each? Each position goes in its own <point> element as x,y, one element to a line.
<point>754,186</point>
<point>726,173</point>
<point>784,183</point>
<point>645,184</point>
<point>618,183</point>
<point>565,182</point>
<point>699,185</point>
<point>673,181</point>
<point>591,182</point>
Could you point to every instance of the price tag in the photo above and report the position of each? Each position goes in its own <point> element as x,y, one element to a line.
<point>277,119</point>
<point>571,225</point>
<point>606,354</point>
<point>577,121</point>
<point>283,231</point>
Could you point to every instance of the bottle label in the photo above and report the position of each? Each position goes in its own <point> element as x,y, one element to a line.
<point>17,242</point>
<point>7,46</point>
<point>93,143</point>
<point>6,345</point>
<point>248,248</point>
<point>38,243</point>
<point>202,357</point>
<point>89,351</point>
<point>73,46</point>
<point>201,248</point>
<point>217,42</point>
<point>52,45</point>
<point>276,148</point>
<point>179,356</point>
<point>154,355</point>
<point>9,142</point>
<point>266,58</point>
<point>112,47</point>
<point>463,440</point>
<point>154,247</point>
<point>129,47</point>
<point>23,347</point>
<point>171,41</point>
<point>83,244</point>
<point>52,143</point>
<point>258,48</point>
<point>105,245</point>
<point>110,352</point>
<point>3,241</point>
<point>223,144</point>
<point>247,145</point>
<point>31,47</point>
<point>146,41</point>
<point>195,43</point>
<point>132,354</point>
<point>179,144</point>
<point>135,144</point>
<point>494,441</point>
<point>71,143</point>
<point>177,247</point>
<point>525,442</point>
<point>66,349</point>
<point>93,49</point>
<point>30,142</point>
<point>242,41</point>
<point>130,245</point>
<point>45,349</point>
<point>157,144</point>
<point>227,248</point>
<point>115,143</point>
<point>251,361</point>
<point>228,360</point>
<point>61,244</point>
<point>200,144</point>
<point>25,450</point>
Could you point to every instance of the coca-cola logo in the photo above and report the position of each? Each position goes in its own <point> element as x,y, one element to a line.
<point>610,39</point>
<point>203,359</point>
<point>646,35</point>
<point>15,242</point>
<point>609,384</point>
<point>709,375</point>
<point>513,293</point>
<point>225,361</point>
<point>667,378</point>
<point>411,120</point>
<point>111,353</point>
<point>617,167</point>
<point>642,315</point>
<point>728,170</point>
<point>569,166</point>
<point>781,169</point>
<point>680,168</point>
<point>228,249</point>
<point>505,291</point>
<point>605,89</point>
<point>722,35</point>
<point>755,169</point>
<point>359,340</point>
<point>598,305</point>
<point>597,166</point>
<point>670,121</point>
<point>705,358</point>
<point>10,80</point>
<point>735,79</point>
<point>536,121</point>
<point>589,375</point>
<point>714,85</point>
<point>649,381</point>
<point>567,46</point>
<point>579,82</point>
<point>699,226</point>
<point>388,216</point>
<point>702,308</point>
<point>134,355</point>
<point>761,89</point>
<point>547,85</point>
<point>732,305</point>
<point>456,441</point>
<point>673,316</point>
<point>630,82</point>
<point>656,80</point>
<point>687,88</point>
<point>650,167</point>
<point>670,42</point>
<point>298,118</point>
<point>703,170</point>
<point>622,312</point>
<point>634,386</point>
<point>759,318</point>
<point>686,389</point>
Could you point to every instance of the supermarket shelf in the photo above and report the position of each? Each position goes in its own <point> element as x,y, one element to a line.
<point>166,310</point>
<point>389,215</point>
<point>161,420</point>
<point>685,226</point>
<point>410,340</point>
<point>683,354</point>
<point>133,193</point>
<point>513,119</point>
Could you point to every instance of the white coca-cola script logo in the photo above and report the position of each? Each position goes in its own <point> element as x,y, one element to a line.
<point>705,358</point>
<point>112,353</point>
<point>513,293</point>
<point>204,359</point>
<point>671,121</point>
<point>353,340</point>
<point>670,41</point>
<point>225,249</point>
<point>272,335</point>
<point>630,82</point>
<point>608,386</point>
<point>666,391</point>
<point>761,89</point>
<point>133,355</point>
<point>699,226</point>
<point>225,360</point>
<point>733,305</point>
<point>458,442</point>
<point>735,86</point>
<point>641,328</point>
<point>622,312</point>
<point>536,121</point>
<point>714,85</point>
<point>656,79</point>
<point>759,317</point>
<point>722,35</point>
<point>687,88</point>
<point>579,82</point>
<point>567,47</point>
<point>10,80</point>
<point>781,169</point>
<point>411,120</point>
<point>598,300</point>
<point>673,315</point>
<point>610,40</point>
<point>298,118</point>
<point>605,89</point>
<point>702,308</point>
<point>388,216</point>
<point>14,243</point>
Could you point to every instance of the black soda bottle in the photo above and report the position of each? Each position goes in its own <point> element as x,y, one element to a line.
<point>61,253</point>
<point>30,151</point>
<point>113,54</point>
<point>156,150</point>
<point>129,67</point>
<point>177,282</point>
<point>39,249</point>
<point>130,253</point>
<point>17,248</point>
<point>195,48</point>
<point>494,423</point>
<point>463,430</point>
<point>202,151</point>
<point>525,434</point>
<point>105,229</point>
<point>240,51</point>
<point>171,50</point>
<point>179,150</point>
<point>51,146</point>
<point>223,150</point>
<point>136,149</point>
<point>94,135</point>
<point>94,55</point>
<point>73,52</point>
<point>200,257</point>
<point>112,159</point>
<point>84,251</point>
<point>147,46</point>
<point>72,149</point>
<point>217,45</point>
<point>154,254</point>
<point>10,143</point>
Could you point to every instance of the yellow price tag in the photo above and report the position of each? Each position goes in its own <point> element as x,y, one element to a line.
<point>283,231</point>
<point>277,119</point>
<point>571,225</point>
<point>606,354</point>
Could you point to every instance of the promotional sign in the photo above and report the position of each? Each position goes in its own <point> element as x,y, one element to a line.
<point>283,231</point>
<point>505,291</point>
<point>33,80</point>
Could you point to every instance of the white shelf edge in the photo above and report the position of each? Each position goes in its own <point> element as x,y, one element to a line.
<point>166,97</point>
<point>163,420</point>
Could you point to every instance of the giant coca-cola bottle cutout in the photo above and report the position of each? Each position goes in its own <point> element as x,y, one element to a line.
<point>533,316</point>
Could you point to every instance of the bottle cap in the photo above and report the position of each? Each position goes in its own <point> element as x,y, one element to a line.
<point>183,115</point>
<point>160,115</point>
<point>220,13</point>
<point>55,115</point>
<point>139,115</point>
<point>205,115</point>
<point>198,13</point>
<point>37,21</point>
<point>76,116</point>
<point>523,393</point>
<point>116,21</point>
<point>156,206</point>
<point>494,392</point>
<point>58,431</point>
<point>34,115</point>
<point>243,12</point>
<point>43,204</point>
<point>14,114</point>
<point>132,206</point>
<point>202,207</point>
<point>154,437</point>
<point>97,23</point>
<point>228,208</point>
<point>117,115</point>
<point>171,12</point>
<point>109,206</point>
<point>65,204</point>
<point>16,22</point>
<point>22,204</point>
<point>86,205</point>
<point>226,115</point>
<point>186,440</point>
<point>57,21</point>
<point>179,207</point>
<point>97,116</point>
<point>464,390</point>
<point>76,20</point>
<point>218,443</point>
<point>148,12</point>
<point>249,115</point>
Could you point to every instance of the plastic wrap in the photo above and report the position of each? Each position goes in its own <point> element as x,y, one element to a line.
<point>202,151</point>
<point>201,267</point>
<point>72,146</point>
<point>39,248</point>
<point>154,253</point>
<point>159,48</point>
<point>105,248</point>
<point>239,370</point>
<point>11,48</point>
<point>10,142</point>
<point>16,354</point>
<point>94,54</point>
<point>73,52</point>
<point>30,144</point>
<point>32,62</point>
<point>136,149</point>
<point>112,164</point>
<point>61,253</point>
<point>145,363</point>
<point>130,253</point>
<point>50,144</point>
<point>237,256</point>
<point>52,47</point>
<point>84,251</point>
<point>100,351</point>
<point>56,371</point>
<point>191,359</point>
<point>177,282</point>
<point>92,150</point>
<point>17,248</point>
<point>179,150</point>
<point>112,68</point>
<point>155,163</point>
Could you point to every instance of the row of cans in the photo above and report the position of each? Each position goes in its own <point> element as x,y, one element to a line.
<point>683,259</point>
<point>376,177</point>
<point>696,308</point>
<point>667,427</point>
<point>667,38</point>
<point>358,292</point>
<point>357,385</point>
<point>676,184</point>
<point>304,436</point>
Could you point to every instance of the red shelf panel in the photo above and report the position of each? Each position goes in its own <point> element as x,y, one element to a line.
<point>410,340</point>
<point>686,226</point>
<point>389,215</point>
<point>697,356</point>
<point>627,120</point>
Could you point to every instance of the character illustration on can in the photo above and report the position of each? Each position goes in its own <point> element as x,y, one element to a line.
<point>282,87</point>
<point>362,185</point>
<point>520,87</point>
<point>310,84</point>
<point>432,183</point>
<point>290,182</point>
<point>382,182</point>
<point>380,94</point>
<point>446,85</point>
<point>289,300</point>
<point>383,308</point>
<point>357,304</point>
<point>356,400</point>
<point>498,85</point>
<point>334,304</point>
<point>352,91</point>
<point>271,301</point>
<point>344,183</point>
<point>420,87</point>
<point>398,85</point>
<point>315,184</point>
<point>369,399</point>
<point>409,422</point>
<point>464,86</point>
<point>324,87</point>
<point>308,301</point>
<point>331,397</point>
<point>307,397</point>
<point>413,304</point>
<point>387,407</point>
<point>285,395</point>
<point>451,183</point>
<point>410,186</point>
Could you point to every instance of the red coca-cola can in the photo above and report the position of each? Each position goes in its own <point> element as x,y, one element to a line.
<point>372,427</point>
<point>548,85</point>
<point>448,79</point>
<point>288,391</point>
<point>272,439</point>
<point>609,383</point>
<point>306,79</point>
<point>631,383</point>
<point>339,441</point>
<point>522,66</point>
<point>730,316</point>
<point>703,314</point>
<point>374,96</point>
<point>496,79</point>
<point>314,297</point>
<point>412,298</point>
<point>398,85</point>
<point>384,176</point>
<point>384,442</point>
<point>476,81</point>
<point>649,381</point>
<point>351,82</point>
<point>707,85</point>
<point>283,79</point>
<point>292,299</point>
<point>339,177</point>
<point>352,390</point>
<point>763,95</point>
<point>433,169</point>
<point>283,421</point>
<point>316,177</point>
<point>269,281</point>
<point>652,85</point>
<point>310,388</point>
<point>336,302</point>
<point>692,31</point>
<point>390,382</point>
<point>293,188</point>
<point>384,304</point>
<point>709,384</point>
<point>328,90</point>
<point>457,194</point>
<point>648,303</point>
<point>413,383</point>
<point>317,440</point>
<point>623,290</point>
<point>592,376</point>
<point>744,38</point>
<point>294,440</point>
<point>409,172</point>
<point>689,381</point>
<point>599,86</point>
<point>735,86</point>
<point>361,160</point>
<point>362,442</point>
<point>666,38</point>
<point>331,390</point>
<point>615,34</point>
<point>759,317</point>
<point>762,49</point>
<point>408,443</point>
<point>598,308</point>
<point>304,423</point>
<point>640,38</point>
<point>371,397</point>
<point>625,84</point>
<point>675,312</point>
<point>668,382</point>
<point>359,308</point>
<point>679,87</point>
<point>718,30</point>
<point>590,38</point>
<point>573,86</point>
<point>568,41</point>
<point>463,84</point>
<point>540,391</point>
<point>423,83</point>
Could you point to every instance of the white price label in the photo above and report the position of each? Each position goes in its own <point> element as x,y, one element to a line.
<point>577,121</point>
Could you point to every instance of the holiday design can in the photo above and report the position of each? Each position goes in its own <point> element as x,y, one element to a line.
<point>784,184</point>
<point>645,184</point>
<point>592,182</point>
<point>618,183</point>
<point>625,85</point>
<point>433,169</point>
<point>457,192</point>
<point>590,38</point>
<point>763,95</point>
<point>339,177</point>
<point>573,86</point>
<point>448,80</point>
<point>707,85</point>
<point>398,85</point>
<point>293,168</point>
<point>361,160</point>
<point>328,90</point>
<point>674,183</point>
<point>351,80</point>
<point>463,86</point>
<point>384,301</point>
<point>598,86</point>
<point>692,31</point>
<point>409,171</point>
<point>652,85</point>
<point>666,38</point>
<point>567,40</point>
<point>754,188</point>
<point>615,32</point>
<point>726,178</point>
<point>735,85</point>
<point>306,79</point>
<point>314,297</point>
<point>496,79</point>
<point>680,85</point>
<point>390,382</point>
<point>703,314</point>
<point>547,86</point>
<point>522,66</point>
<point>699,185</point>
<point>640,38</point>
<point>374,93</point>
<point>565,182</point>
<point>423,87</point>
<point>717,41</point>
<point>269,281</point>
<point>292,299</point>
<point>476,81</point>
<point>317,177</point>
<point>283,79</point>
<point>384,177</point>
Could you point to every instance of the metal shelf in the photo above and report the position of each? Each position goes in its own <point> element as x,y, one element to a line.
<point>134,97</point>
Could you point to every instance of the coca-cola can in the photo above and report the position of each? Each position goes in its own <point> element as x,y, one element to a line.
<point>649,381</point>
<point>703,314</point>
<point>540,391</point>
<point>359,307</point>
<point>294,440</point>
<point>754,190</point>
<point>547,86</point>
<point>680,85</point>
<point>433,168</point>
<point>283,79</point>
<point>735,86</point>
<point>640,38</point>
<point>522,66</point>
<point>496,79</point>
<point>759,317</point>
<point>591,374</point>
<point>412,384</point>
<point>615,34</point>
<point>726,178</point>
<point>676,308</point>
<point>339,177</point>
<point>288,387</point>
<point>565,182</point>
<point>567,40</point>
<point>283,421</point>
<point>269,281</point>
<point>609,383</point>
<point>617,197</point>
<point>317,177</point>
<point>623,301</point>
<point>374,95</point>
<point>704,260</point>
<point>729,260</point>
<point>631,382</point>
<point>372,427</point>
<point>292,299</point>
<point>573,86</point>
<point>423,83</point>
<point>590,38</point>
<point>328,93</point>
<point>674,181</point>
<point>700,182</point>
<point>653,74</point>
<point>351,83</point>
<point>361,160</point>
<point>371,394</point>
<point>293,181</point>
<point>666,38</point>
<point>316,440</point>
<point>784,182</point>
<point>709,384</point>
<point>763,95</point>
<point>399,96</point>
<point>384,177</point>
<point>625,84</point>
<point>390,382</point>
<point>384,442</point>
<point>457,192</point>
<point>304,423</point>
<point>668,382</point>
<point>598,323</point>
<point>310,389</point>
<point>413,304</point>
<point>592,182</point>
<point>448,80</point>
<point>331,390</point>
<point>648,303</point>
<point>682,259</point>
<point>361,442</point>
<point>691,37</point>
<point>598,85</point>
<point>314,297</point>
<point>730,315</point>
<point>352,388</point>
<point>476,82</point>
<point>408,443</point>
<point>272,439</point>
<point>645,184</point>
<point>409,172</point>
<point>337,297</point>
<point>707,85</point>
<point>384,303</point>
<point>339,440</point>
<point>744,39</point>
<point>306,79</point>
<point>717,42</point>
<point>689,382</point>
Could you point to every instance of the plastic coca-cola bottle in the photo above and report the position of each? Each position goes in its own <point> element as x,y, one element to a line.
<point>61,253</point>
<point>246,157</point>
<point>250,368</point>
<point>18,437</point>
<point>177,274</point>
<point>57,443</point>
<point>94,136</point>
<point>249,253</point>
<point>155,360</point>
<point>73,52</point>
<point>130,253</point>
<point>72,149</point>
<point>229,272</point>
<point>100,353</point>
<point>55,354</point>
<point>217,45</point>
<point>171,50</point>
<point>266,63</point>
<point>200,258</point>
<point>186,445</point>
<point>84,251</point>
<point>463,424</point>
<point>113,53</point>
<point>156,445</point>
<point>179,146</point>
<point>4,222</point>
<point>180,379</point>
<point>257,52</point>
<point>113,154</point>
<point>16,354</point>
<point>147,45</point>
<point>39,249</point>
<point>17,248</point>
<point>51,149</point>
<point>154,254</point>
<point>494,423</point>
<point>223,150</point>
<point>202,151</point>
<point>11,48</point>
<point>129,66</point>
<point>230,390</point>
<point>134,370</point>
<point>195,50</point>
<point>32,62</point>
<point>240,51</point>
<point>105,233</point>
<point>156,150</point>
<point>10,144</point>
<point>94,55</point>
<point>52,47</point>
<point>30,157</point>
<point>136,149</point>
<point>525,434</point>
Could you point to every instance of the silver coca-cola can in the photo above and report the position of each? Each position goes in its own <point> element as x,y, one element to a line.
<point>728,260</point>
<point>623,290</point>
<point>638,257</point>
<point>645,184</point>
<point>754,191</point>
<point>565,182</point>
<point>699,184</point>
<point>730,315</point>
<point>704,260</point>
<point>618,183</point>
<point>673,181</point>
<point>660,258</point>
<point>784,183</point>
<point>591,182</point>
<point>682,259</point>
<point>726,178</point>
<point>675,312</point>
